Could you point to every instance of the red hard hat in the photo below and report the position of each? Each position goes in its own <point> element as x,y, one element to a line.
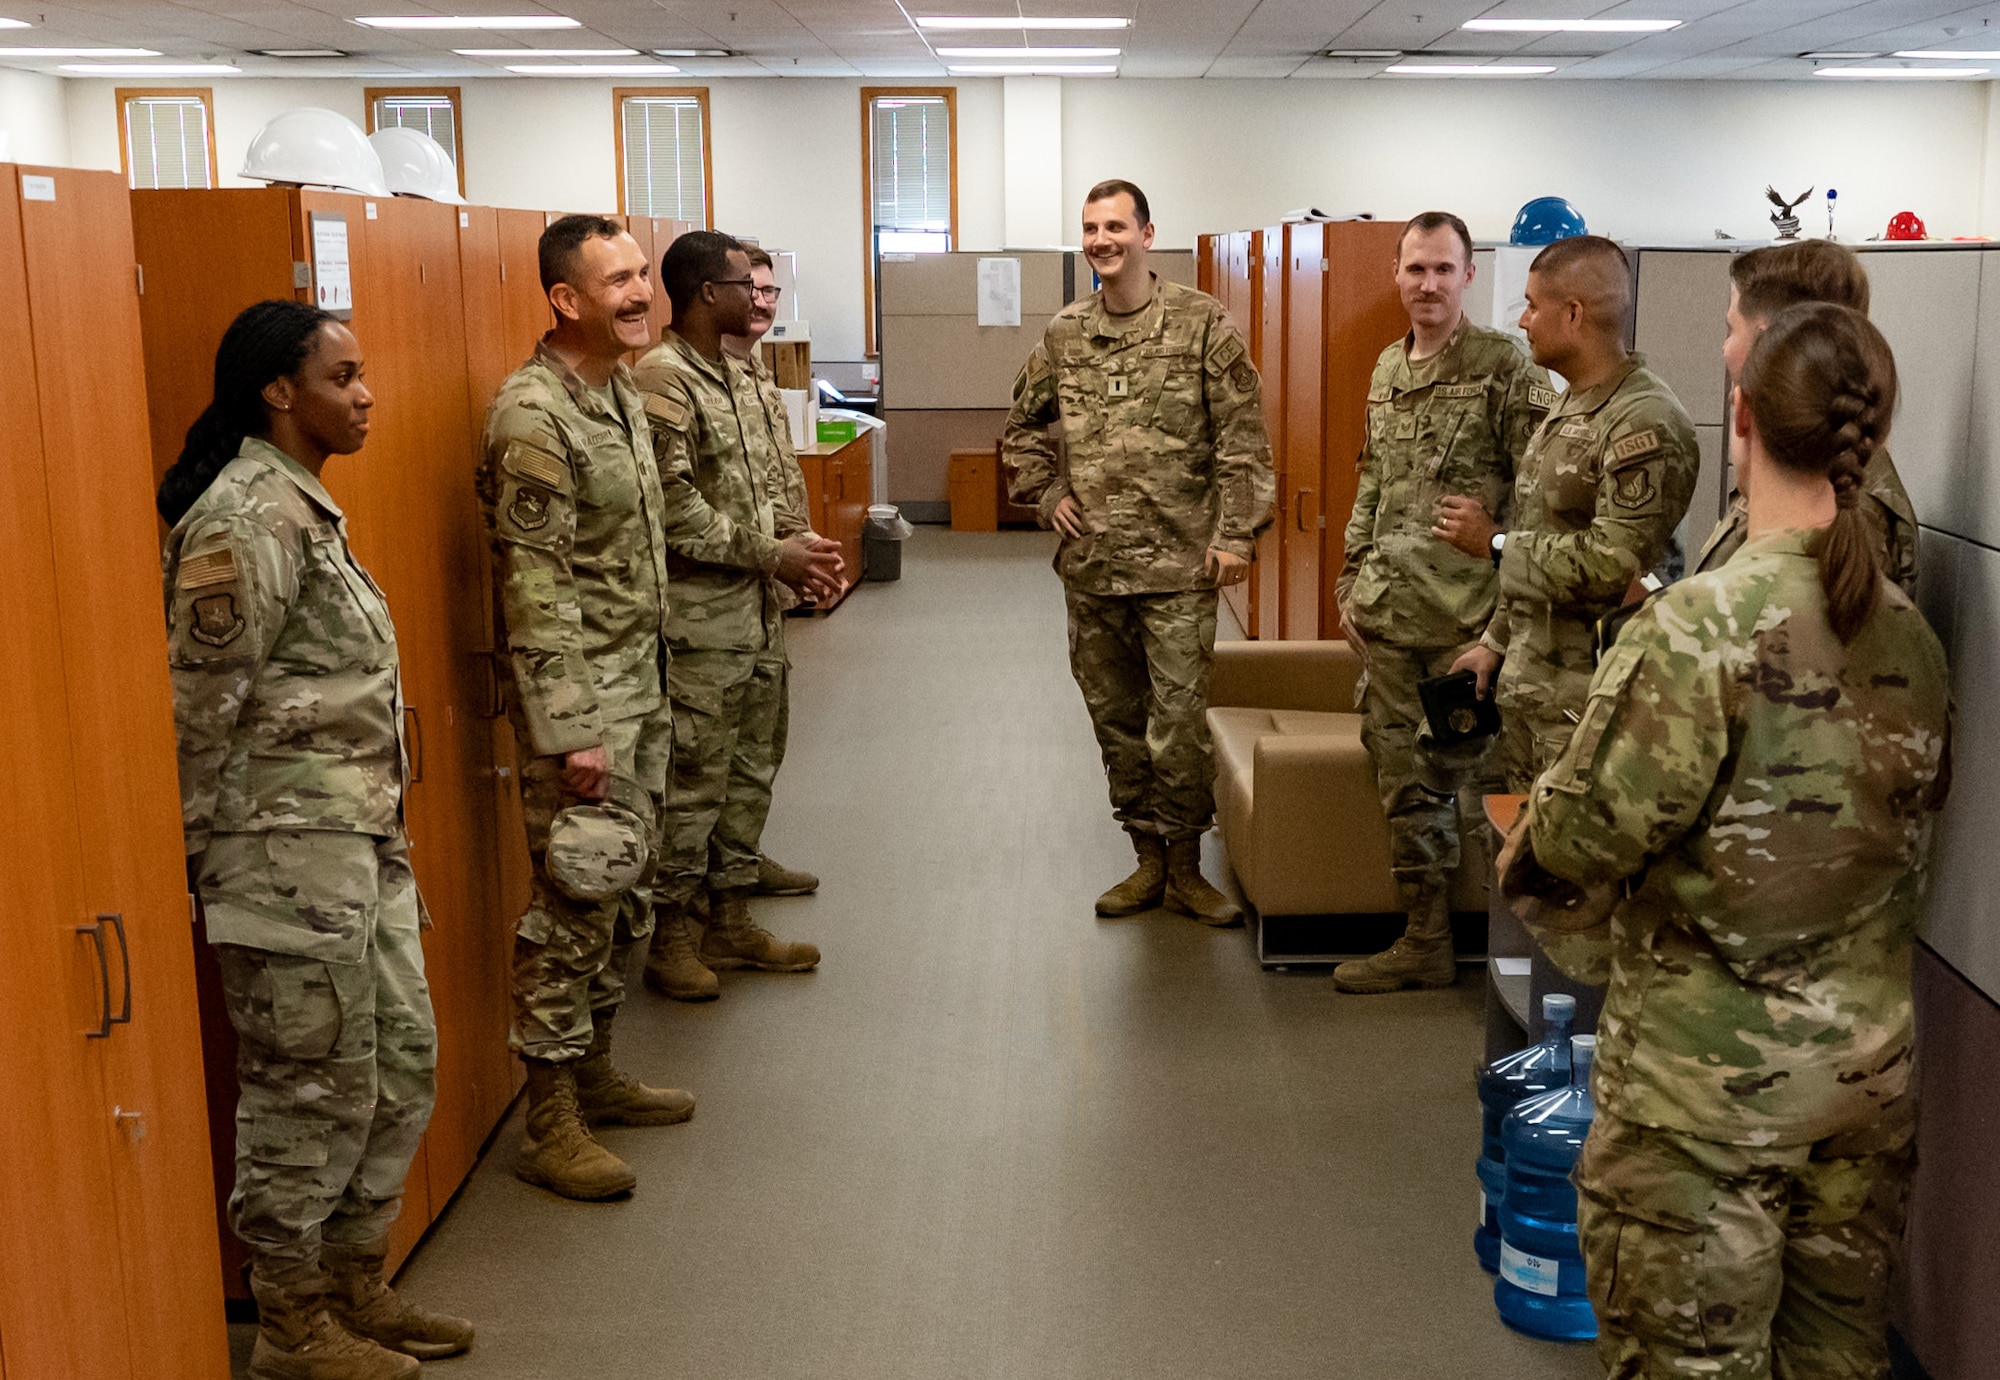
<point>1904,225</point>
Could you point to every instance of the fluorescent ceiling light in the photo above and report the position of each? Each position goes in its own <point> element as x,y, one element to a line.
<point>946,21</point>
<point>1029,52</point>
<point>15,24</point>
<point>1844,57</point>
<point>593,69</point>
<point>77,52</point>
<point>1036,70</point>
<point>1465,69</point>
<point>1571,26</point>
<point>1902,73</point>
<point>1360,54</point>
<point>469,21</point>
<point>302,52</point>
<point>546,52</point>
<point>1950,57</point>
<point>151,69</point>
<point>696,52</point>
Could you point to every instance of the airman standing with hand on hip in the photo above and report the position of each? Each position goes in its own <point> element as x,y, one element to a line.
<point>288,707</point>
<point>1606,479</point>
<point>1168,483</point>
<point>1450,409</point>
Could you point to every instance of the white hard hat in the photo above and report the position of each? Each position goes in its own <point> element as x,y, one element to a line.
<point>315,148</point>
<point>416,165</point>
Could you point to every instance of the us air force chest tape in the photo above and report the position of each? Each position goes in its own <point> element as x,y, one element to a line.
<point>600,849</point>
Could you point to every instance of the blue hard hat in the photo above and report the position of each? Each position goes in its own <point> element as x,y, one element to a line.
<point>1545,220</point>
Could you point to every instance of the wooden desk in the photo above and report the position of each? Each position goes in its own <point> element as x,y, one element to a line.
<point>840,478</point>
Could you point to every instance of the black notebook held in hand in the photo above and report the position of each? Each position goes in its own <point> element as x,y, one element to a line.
<point>1456,713</point>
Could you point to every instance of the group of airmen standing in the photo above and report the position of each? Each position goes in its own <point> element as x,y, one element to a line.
<point>1731,784</point>
<point>1729,802</point>
<point>649,531</point>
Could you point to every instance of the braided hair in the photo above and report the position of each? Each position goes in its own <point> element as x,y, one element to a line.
<point>270,340</point>
<point>1821,382</point>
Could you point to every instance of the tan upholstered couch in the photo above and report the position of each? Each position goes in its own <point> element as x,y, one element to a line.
<point>1294,793</point>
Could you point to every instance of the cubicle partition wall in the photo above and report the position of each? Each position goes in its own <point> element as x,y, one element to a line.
<point>947,381</point>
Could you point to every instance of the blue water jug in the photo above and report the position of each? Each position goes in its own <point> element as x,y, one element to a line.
<point>1539,1068</point>
<point>1540,1289</point>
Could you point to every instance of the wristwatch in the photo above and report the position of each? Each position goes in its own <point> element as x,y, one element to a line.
<point>1499,542</point>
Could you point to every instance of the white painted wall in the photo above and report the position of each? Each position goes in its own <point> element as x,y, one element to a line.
<point>1033,154</point>
<point>34,126</point>
<point>1646,161</point>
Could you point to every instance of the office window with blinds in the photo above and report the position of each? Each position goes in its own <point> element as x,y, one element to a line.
<point>169,139</point>
<point>909,152</point>
<point>663,154</point>
<point>429,110</point>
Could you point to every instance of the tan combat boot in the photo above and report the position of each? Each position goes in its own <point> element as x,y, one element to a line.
<point>734,940</point>
<point>361,1301</point>
<point>673,968</point>
<point>556,1151</point>
<point>1147,884</point>
<point>774,879</point>
<point>297,1340</point>
<point>1189,893</point>
<point>1423,957</point>
<point>605,1095</point>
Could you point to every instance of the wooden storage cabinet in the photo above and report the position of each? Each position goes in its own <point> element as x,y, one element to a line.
<point>107,1255</point>
<point>839,478</point>
<point>441,294</point>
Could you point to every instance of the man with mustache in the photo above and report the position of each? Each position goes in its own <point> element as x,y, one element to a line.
<point>1168,482</point>
<point>580,519</point>
<point>1450,409</point>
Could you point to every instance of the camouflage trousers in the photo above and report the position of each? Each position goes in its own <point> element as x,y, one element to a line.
<point>1142,662</point>
<point>571,956</point>
<point>727,711</point>
<point>1726,1262</point>
<point>1423,830</point>
<point>1532,735</point>
<point>336,1066</point>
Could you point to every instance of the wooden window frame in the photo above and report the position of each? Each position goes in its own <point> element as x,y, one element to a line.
<point>621,94</point>
<point>871,346</point>
<point>124,95</point>
<point>370,94</point>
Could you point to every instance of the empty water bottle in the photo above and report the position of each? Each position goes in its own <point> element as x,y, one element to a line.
<point>1539,1068</point>
<point>1540,1289</point>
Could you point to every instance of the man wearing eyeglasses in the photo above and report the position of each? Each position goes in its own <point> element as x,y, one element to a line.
<point>723,622</point>
<point>767,713</point>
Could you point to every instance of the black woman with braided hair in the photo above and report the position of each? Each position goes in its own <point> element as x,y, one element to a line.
<point>288,710</point>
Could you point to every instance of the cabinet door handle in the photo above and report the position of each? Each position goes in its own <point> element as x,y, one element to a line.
<point>416,744</point>
<point>96,933</point>
<point>1299,508</point>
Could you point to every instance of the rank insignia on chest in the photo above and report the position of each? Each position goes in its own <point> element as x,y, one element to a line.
<point>216,623</point>
<point>530,510</point>
<point>1634,486</point>
<point>1117,386</point>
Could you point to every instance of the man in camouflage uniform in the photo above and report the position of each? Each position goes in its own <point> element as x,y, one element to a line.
<point>1763,283</point>
<point>288,710</point>
<point>1606,479</point>
<point>725,628</point>
<point>1167,484</point>
<point>767,711</point>
<point>1450,409</point>
<point>1736,836</point>
<point>579,516</point>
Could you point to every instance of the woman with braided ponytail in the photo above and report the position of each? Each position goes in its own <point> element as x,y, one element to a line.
<point>1737,838</point>
<point>288,708</point>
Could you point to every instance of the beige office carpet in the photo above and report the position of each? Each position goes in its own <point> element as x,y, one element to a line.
<point>995,1136</point>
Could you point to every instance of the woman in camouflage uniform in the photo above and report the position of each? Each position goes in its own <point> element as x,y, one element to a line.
<point>1738,835</point>
<point>288,707</point>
